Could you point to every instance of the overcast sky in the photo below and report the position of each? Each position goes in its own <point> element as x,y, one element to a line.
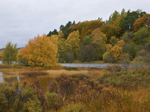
<point>21,20</point>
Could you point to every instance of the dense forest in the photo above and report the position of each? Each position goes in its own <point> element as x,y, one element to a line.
<point>123,35</point>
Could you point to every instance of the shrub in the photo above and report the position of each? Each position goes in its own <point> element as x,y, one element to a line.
<point>32,105</point>
<point>73,108</point>
<point>114,68</point>
<point>3,102</point>
<point>33,73</point>
<point>53,100</point>
<point>127,80</point>
<point>87,53</point>
<point>80,76</point>
<point>67,85</point>
<point>107,57</point>
<point>69,57</point>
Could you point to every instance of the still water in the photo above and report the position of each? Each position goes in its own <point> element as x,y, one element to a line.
<point>44,80</point>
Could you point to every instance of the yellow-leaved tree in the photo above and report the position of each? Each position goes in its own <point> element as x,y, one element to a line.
<point>73,42</point>
<point>113,53</point>
<point>117,49</point>
<point>40,51</point>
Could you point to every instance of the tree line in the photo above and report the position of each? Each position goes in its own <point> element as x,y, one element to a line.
<point>124,36</point>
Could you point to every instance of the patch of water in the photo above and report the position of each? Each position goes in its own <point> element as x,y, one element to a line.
<point>1,77</point>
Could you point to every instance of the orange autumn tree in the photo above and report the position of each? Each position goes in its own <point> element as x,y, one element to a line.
<point>40,51</point>
<point>117,49</point>
<point>90,26</point>
<point>143,21</point>
<point>114,52</point>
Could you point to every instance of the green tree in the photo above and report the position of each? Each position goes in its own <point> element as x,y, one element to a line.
<point>110,30</point>
<point>117,22</point>
<point>126,37</point>
<point>73,42</point>
<point>113,17</point>
<point>67,29</point>
<point>128,21</point>
<point>54,32</point>
<point>100,48</point>
<point>87,53</point>
<point>141,36</point>
<point>113,40</point>
<point>86,40</point>
<point>10,53</point>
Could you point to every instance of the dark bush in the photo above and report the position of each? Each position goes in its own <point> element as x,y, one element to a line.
<point>87,53</point>
<point>114,68</point>
<point>33,73</point>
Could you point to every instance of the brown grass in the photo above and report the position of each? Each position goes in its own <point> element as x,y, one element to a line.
<point>96,73</point>
<point>55,73</point>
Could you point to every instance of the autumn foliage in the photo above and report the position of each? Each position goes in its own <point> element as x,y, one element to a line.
<point>40,51</point>
<point>143,21</point>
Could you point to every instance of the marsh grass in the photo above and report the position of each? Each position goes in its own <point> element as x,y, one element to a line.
<point>84,90</point>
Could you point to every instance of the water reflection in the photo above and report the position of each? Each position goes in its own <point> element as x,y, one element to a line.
<point>1,77</point>
<point>44,80</point>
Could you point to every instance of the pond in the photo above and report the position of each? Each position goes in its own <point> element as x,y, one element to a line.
<point>8,78</point>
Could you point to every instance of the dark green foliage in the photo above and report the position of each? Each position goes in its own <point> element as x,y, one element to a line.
<point>128,21</point>
<point>113,17</point>
<point>86,53</point>
<point>131,49</point>
<point>142,36</point>
<point>69,57</point>
<point>22,60</point>
<point>10,53</point>
<point>86,40</point>
<point>100,48</point>
<point>113,40</point>
<point>127,36</point>
<point>66,29</point>
<point>55,32</point>
<point>107,57</point>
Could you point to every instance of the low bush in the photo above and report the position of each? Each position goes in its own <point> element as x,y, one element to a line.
<point>73,108</point>
<point>117,92</point>
<point>114,68</point>
<point>33,73</point>
<point>80,76</point>
<point>54,101</point>
<point>107,57</point>
<point>127,80</point>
